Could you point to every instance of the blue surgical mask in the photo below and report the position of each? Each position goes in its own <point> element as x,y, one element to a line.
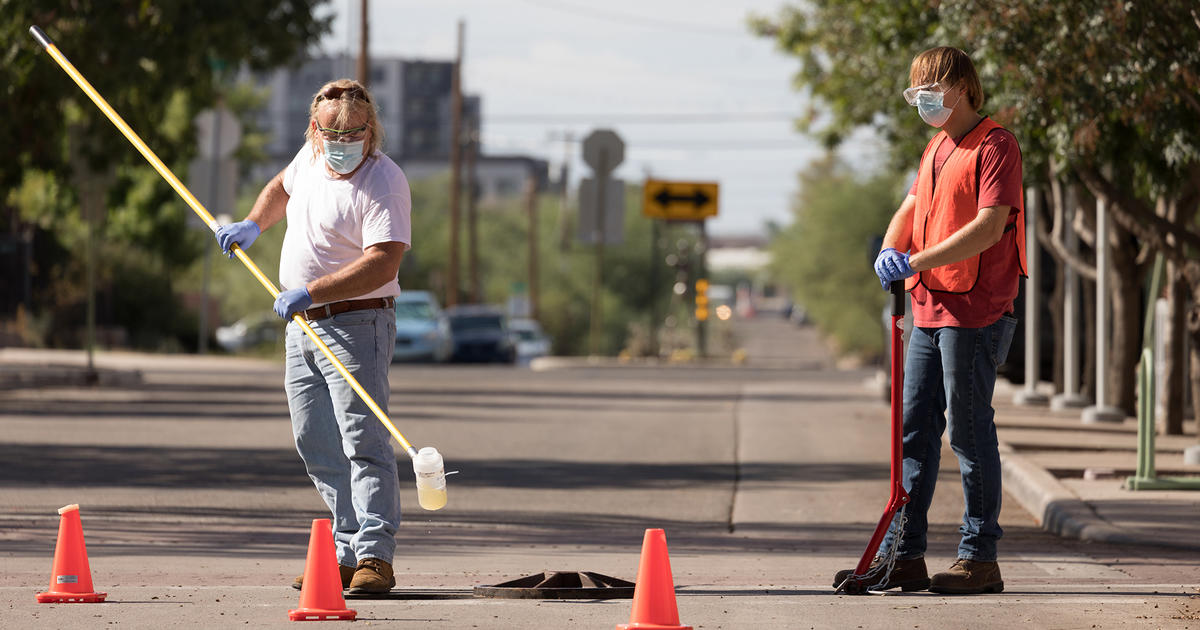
<point>343,157</point>
<point>929,106</point>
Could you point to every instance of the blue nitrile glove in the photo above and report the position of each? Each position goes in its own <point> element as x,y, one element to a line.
<point>291,301</point>
<point>243,233</point>
<point>891,266</point>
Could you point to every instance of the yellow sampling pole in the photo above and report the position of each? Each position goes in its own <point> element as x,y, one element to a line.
<point>208,219</point>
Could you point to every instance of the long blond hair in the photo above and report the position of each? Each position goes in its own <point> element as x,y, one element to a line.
<point>352,97</point>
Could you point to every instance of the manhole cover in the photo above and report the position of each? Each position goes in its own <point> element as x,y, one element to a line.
<point>560,585</point>
<point>415,593</point>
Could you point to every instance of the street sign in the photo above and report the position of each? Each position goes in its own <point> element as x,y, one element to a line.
<point>614,211</point>
<point>218,133</point>
<point>679,201</point>
<point>214,184</point>
<point>603,150</point>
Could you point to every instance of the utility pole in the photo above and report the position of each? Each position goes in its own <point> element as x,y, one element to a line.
<point>364,61</point>
<point>602,168</point>
<point>564,209</point>
<point>702,296</point>
<point>202,347</point>
<point>455,167</point>
<point>473,220</point>
<point>531,210</point>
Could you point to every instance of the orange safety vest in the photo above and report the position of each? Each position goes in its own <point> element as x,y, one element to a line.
<point>945,208</point>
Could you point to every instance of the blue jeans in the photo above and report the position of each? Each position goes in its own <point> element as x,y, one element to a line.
<point>345,448</point>
<point>950,374</point>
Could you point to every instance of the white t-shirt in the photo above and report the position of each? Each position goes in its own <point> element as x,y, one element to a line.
<point>331,222</point>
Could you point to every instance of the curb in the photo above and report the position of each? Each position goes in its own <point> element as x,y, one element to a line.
<point>1060,511</point>
<point>36,376</point>
<point>545,364</point>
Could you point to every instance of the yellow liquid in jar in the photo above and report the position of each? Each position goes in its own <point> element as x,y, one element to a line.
<point>431,498</point>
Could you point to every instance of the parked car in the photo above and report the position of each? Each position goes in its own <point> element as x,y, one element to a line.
<point>250,331</point>
<point>481,334</point>
<point>530,340</point>
<point>422,329</point>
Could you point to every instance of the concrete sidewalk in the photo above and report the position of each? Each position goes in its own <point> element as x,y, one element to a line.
<point>27,367</point>
<point>1071,476</point>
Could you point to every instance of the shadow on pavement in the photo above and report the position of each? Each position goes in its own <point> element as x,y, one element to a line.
<point>33,465</point>
<point>25,465</point>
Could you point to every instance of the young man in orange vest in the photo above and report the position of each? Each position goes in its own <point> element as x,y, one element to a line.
<point>958,240</point>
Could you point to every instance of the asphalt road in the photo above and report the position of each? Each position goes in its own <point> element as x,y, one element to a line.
<point>767,479</point>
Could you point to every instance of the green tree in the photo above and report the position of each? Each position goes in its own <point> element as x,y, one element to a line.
<point>1115,105</point>
<point>152,61</point>
<point>825,255</point>
<point>1101,91</point>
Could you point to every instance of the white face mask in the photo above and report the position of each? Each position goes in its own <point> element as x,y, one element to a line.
<point>928,101</point>
<point>343,157</point>
<point>929,106</point>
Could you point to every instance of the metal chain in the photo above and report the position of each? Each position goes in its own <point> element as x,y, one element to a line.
<point>884,563</point>
<point>889,561</point>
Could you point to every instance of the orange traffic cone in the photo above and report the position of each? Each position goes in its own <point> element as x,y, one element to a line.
<point>654,596</point>
<point>70,577</point>
<point>321,594</point>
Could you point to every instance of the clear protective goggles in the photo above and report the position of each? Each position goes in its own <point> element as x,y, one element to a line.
<point>910,95</point>
<point>343,135</point>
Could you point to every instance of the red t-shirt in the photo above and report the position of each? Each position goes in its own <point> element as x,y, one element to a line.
<point>1000,268</point>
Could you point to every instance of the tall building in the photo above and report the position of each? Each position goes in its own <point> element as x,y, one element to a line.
<point>413,99</point>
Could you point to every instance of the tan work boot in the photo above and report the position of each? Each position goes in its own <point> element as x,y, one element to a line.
<point>346,572</point>
<point>968,577</point>
<point>907,575</point>
<point>373,576</point>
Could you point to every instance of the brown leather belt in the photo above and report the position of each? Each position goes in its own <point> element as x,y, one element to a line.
<point>345,306</point>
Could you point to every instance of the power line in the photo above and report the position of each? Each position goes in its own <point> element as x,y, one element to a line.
<point>657,118</point>
<point>705,145</point>
<point>765,145</point>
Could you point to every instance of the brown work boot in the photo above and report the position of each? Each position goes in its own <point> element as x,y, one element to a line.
<point>908,574</point>
<point>968,577</point>
<point>373,576</point>
<point>346,572</point>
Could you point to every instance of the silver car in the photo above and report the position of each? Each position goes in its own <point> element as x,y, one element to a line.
<point>531,341</point>
<point>422,329</point>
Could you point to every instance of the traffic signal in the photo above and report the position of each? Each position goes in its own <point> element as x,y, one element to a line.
<point>701,300</point>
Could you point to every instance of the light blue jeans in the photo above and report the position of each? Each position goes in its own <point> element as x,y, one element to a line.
<point>345,448</point>
<point>949,378</point>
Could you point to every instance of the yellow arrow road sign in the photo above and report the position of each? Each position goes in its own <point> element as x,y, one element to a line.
<point>679,201</point>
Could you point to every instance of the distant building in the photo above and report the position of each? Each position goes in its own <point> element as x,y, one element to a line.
<point>743,253</point>
<point>413,98</point>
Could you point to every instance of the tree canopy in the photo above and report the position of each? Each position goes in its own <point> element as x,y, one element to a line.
<point>1097,91</point>
<point>1082,84</point>
<point>157,63</point>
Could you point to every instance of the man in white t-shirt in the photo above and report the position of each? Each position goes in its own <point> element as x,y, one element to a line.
<point>347,207</point>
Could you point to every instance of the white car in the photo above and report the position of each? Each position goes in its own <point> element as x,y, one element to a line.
<point>530,340</point>
<point>250,331</point>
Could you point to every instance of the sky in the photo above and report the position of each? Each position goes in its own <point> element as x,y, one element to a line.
<point>692,93</point>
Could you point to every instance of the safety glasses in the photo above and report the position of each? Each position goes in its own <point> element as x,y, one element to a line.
<point>333,93</point>
<point>343,135</point>
<point>910,95</point>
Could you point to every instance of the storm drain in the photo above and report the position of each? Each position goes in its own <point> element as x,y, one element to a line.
<point>560,585</point>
